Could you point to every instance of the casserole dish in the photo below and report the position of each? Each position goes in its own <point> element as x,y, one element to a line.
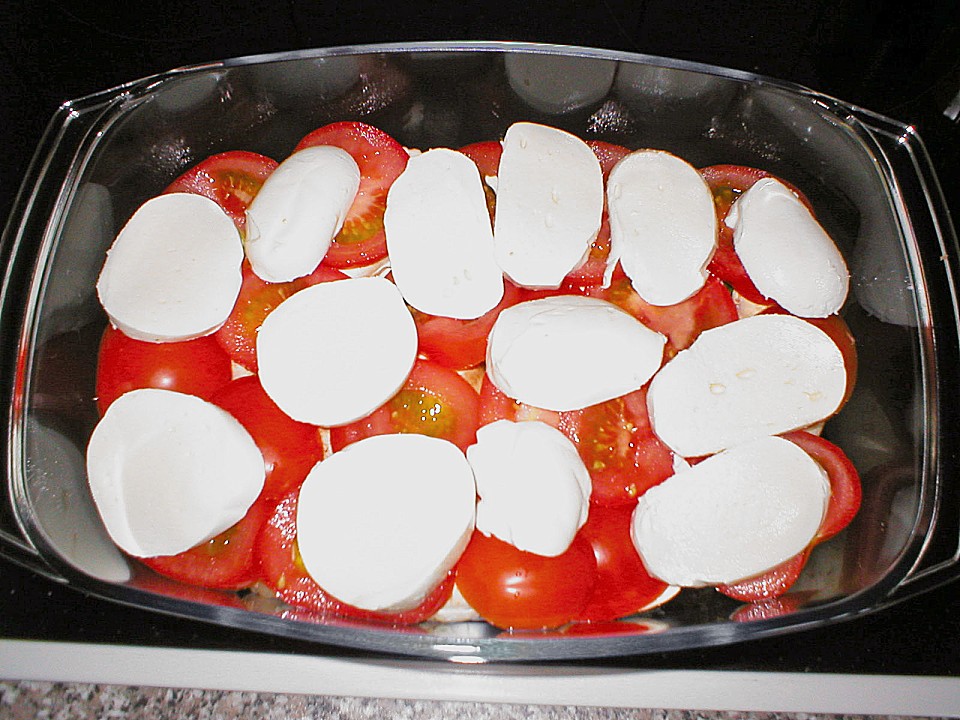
<point>867,176</point>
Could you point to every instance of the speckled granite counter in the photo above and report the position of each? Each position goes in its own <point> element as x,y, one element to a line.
<point>27,700</point>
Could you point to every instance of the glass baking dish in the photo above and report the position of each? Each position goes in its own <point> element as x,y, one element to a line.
<point>868,177</point>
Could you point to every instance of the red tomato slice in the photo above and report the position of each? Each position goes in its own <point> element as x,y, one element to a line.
<point>381,159</point>
<point>460,344</point>
<point>617,444</point>
<point>771,584</point>
<point>592,271</point>
<point>727,182</point>
<point>681,323</point>
<point>514,589</point>
<point>257,298</point>
<point>486,156</point>
<point>434,401</point>
<point>623,584</point>
<point>196,367</point>
<point>290,449</point>
<point>231,179</point>
<point>226,562</point>
<point>845,497</point>
<point>845,490</point>
<point>284,573</point>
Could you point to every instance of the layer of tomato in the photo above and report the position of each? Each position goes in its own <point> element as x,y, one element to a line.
<point>623,584</point>
<point>434,401</point>
<point>231,179</point>
<point>196,367</point>
<point>520,590</point>
<point>227,561</point>
<point>361,241</point>
<point>290,449</point>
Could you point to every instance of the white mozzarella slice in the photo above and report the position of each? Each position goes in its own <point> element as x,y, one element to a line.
<point>298,211</point>
<point>380,523</point>
<point>663,225</point>
<point>761,375</point>
<point>549,204</point>
<point>173,271</point>
<point>334,352</point>
<point>533,487</point>
<point>733,516</point>
<point>439,238</point>
<point>787,254</point>
<point>544,352</point>
<point>169,471</point>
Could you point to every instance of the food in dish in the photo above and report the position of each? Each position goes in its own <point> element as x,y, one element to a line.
<point>638,376</point>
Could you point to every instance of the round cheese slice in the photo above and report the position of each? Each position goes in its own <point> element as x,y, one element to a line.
<point>533,487</point>
<point>173,271</point>
<point>547,352</point>
<point>300,208</point>
<point>786,252</point>
<point>733,516</point>
<point>549,204</point>
<point>333,352</point>
<point>663,225</point>
<point>169,471</point>
<point>381,522</point>
<point>439,237</point>
<point>761,375</point>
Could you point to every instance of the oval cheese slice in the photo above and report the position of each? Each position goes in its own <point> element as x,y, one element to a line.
<point>380,523</point>
<point>439,238</point>
<point>663,225</point>
<point>761,375</point>
<point>549,204</point>
<point>786,252</point>
<point>534,489</point>
<point>300,208</point>
<point>169,471</point>
<point>173,271</point>
<point>734,515</point>
<point>545,352</point>
<point>334,352</point>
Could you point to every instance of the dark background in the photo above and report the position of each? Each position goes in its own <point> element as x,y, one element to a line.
<point>899,60</point>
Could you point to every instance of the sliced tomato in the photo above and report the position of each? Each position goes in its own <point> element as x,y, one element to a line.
<point>844,502</point>
<point>616,443</point>
<point>727,183</point>
<point>196,367</point>
<point>460,344</point>
<point>434,401</point>
<point>231,179</point>
<point>282,570</point>
<point>520,590</point>
<point>771,584</point>
<point>486,156</point>
<point>257,298</point>
<point>226,562</point>
<point>381,159</point>
<point>495,405</point>
<point>290,449</point>
<point>591,273</point>
<point>681,323</point>
<point>623,584</point>
<point>845,489</point>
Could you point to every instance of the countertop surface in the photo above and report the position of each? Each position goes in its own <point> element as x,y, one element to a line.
<point>902,65</point>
